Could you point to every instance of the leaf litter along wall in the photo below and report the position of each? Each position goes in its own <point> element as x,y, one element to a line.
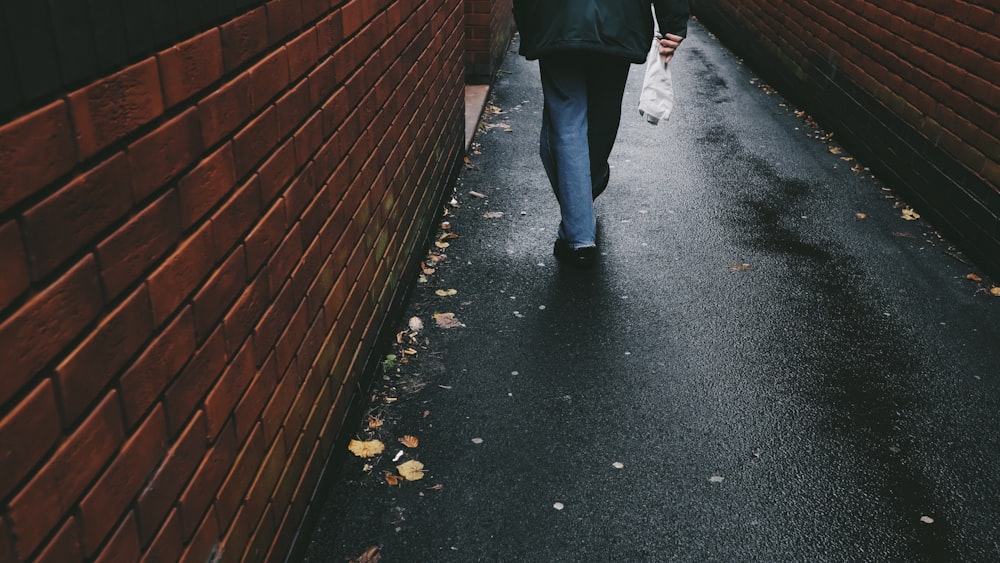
<point>909,86</point>
<point>201,234</point>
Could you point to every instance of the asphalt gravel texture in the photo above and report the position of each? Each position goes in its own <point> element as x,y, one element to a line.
<point>767,363</point>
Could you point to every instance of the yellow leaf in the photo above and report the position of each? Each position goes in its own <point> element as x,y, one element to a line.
<point>412,470</point>
<point>391,479</point>
<point>370,448</point>
<point>995,291</point>
<point>446,292</point>
<point>409,441</point>
<point>410,352</point>
<point>909,214</point>
<point>973,277</point>
<point>440,244</point>
<point>861,215</point>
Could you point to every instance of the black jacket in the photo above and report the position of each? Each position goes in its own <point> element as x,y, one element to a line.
<point>615,27</point>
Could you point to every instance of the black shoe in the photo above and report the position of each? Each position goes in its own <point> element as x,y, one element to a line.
<point>583,257</point>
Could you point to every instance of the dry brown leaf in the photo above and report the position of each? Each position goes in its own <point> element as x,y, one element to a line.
<point>409,441</point>
<point>995,291</point>
<point>493,215</point>
<point>440,244</point>
<point>374,422</point>
<point>834,150</point>
<point>410,352</point>
<point>447,320</point>
<point>738,267</point>
<point>371,555</point>
<point>445,225</point>
<point>411,470</point>
<point>392,479</point>
<point>973,277</point>
<point>861,215</point>
<point>909,214</point>
<point>437,487</point>
<point>447,236</point>
<point>369,448</point>
<point>446,292</point>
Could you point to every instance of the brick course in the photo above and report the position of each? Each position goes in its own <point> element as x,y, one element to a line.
<point>198,234</point>
<point>909,86</point>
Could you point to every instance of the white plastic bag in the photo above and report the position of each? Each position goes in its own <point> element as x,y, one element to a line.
<point>657,97</point>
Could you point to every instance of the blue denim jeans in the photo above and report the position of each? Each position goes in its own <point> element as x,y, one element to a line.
<point>583,100</point>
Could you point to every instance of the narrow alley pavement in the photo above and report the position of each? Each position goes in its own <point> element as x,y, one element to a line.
<point>769,362</point>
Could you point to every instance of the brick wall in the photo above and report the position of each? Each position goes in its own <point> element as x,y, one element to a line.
<point>201,236</point>
<point>909,86</point>
<point>489,26</point>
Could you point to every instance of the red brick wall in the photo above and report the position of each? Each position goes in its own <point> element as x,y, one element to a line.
<point>910,85</point>
<point>489,26</point>
<point>198,249</point>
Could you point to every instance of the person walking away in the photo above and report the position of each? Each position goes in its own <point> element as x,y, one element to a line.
<point>584,49</point>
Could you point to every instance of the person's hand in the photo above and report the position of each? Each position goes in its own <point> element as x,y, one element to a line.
<point>668,45</point>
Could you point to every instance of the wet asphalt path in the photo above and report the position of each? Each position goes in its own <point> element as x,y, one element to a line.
<point>814,407</point>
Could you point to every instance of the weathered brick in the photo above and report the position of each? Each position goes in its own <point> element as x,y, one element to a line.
<point>26,434</point>
<point>254,141</point>
<point>205,544</point>
<point>40,505</point>
<point>146,379</point>
<point>241,318</point>
<point>244,37</point>
<point>222,399</point>
<point>302,53</point>
<point>168,543</point>
<point>195,500</point>
<point>276,409</point>
<point>171,478</point>
<point>232,221</point>
<point>287,255</point>
<point>205,186</point>
<point>187,391</point>
<point>122,481</point>
<point>60,312</point>
<point>35,150</point>
<point>132,249</point>
<point>277,171</point>
<point>222,111</point>
<point>115,106</point>
<point>64,547</point>
<point>265,237</point>
<point>181,273</point>
<point>283,18</point>
<point>13,264</point>
<point>273,322</point>
<point>190,66</point>
<point>236,484</point>
<point>269,77</point>
<point>85,372</point>
<point>292,108</point>
<point>158,157</point>
<point>123,545</point>
<point>288,342</point>
<point>266,478</point>
<point>212,301</point>
<point>64,222</point>
<point>252,403</point>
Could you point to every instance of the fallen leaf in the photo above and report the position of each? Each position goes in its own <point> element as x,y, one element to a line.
<point>716,479</point>
<point>493,215</point>
<point>427,271</point>
<point>445,225</point>
<point>477,194</point>
<point>447,320</point>
<point>437,487</point>
<point>909,214</point>
<point>973,277</point>
<point>374,422</point>
<point>995,291</point>
<point>447,236</point>
<point>834,150</point>
<point>411,470</point>
<point>426,414</point>
<point>738,267</point>
<point>861,215</point>
<point>369,448</point>
<point>409,441</point>
<point>440,244</point>
<point>446,292</point>
<point>392,479</point>
<point>410,352</point>
<point>371,555</point>
<point>415,324</point>
<point>926,519</point>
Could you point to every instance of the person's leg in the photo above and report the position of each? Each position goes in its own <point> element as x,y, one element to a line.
<point>564,147</point>
<point>606,78</point>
